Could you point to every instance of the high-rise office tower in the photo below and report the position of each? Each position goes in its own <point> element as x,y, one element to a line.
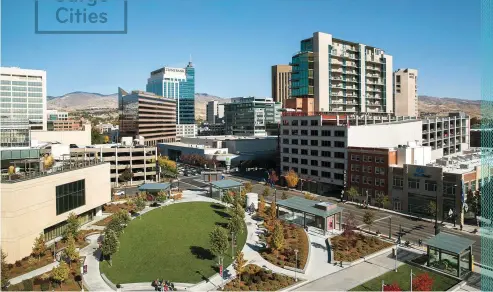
<point>342,76</point>
<point>146,115</point>
<point>178,84</point>
<point>214,112</point>
<point>281,82</point>
<point>23,96</point>
<point>406,92</point>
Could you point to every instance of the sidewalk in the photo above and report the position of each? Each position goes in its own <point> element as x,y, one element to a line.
<point>34,273</point>
<point>92,279</point>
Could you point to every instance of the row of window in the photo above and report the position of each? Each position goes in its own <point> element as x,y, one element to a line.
<point>368,168</point>
<point>324,174</point>
<point>367,158</point>
<point>324,143</point>
<point>325,133</point>
<point>368,180</point>
<point>21,94</point>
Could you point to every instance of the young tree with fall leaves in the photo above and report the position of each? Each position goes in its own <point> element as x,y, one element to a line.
<point>39,248</point>
<point>273,211</point>
<point>60,274</point>
<point>277,238</point>
<point>392,288</point>
<point>71,250</point>
<point>239,266</point>
<point>5,273</point>
<point>423,282</point>
<point>261,206</point>
<point>291,178</point>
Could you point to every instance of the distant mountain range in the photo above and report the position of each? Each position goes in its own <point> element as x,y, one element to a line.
<point>80,100</point>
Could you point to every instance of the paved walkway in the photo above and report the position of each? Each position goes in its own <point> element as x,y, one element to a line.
<point>34,273</point>
<point>353,276</point>
<point>93,280</point>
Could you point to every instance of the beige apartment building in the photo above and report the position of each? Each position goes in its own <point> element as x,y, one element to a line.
<point>406,92</point>
<point>281,83</point>
<point>41,204</point>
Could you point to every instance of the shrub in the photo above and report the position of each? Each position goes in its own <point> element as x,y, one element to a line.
<point>245,277</point>
<point>18,264</point>
<point>32,261</point>
<point>45,286</point>
<point>28,285</point>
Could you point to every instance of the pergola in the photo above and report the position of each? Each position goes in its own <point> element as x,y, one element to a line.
<point>218,188</point>
<point>154,188</point>
<point>322,215</point>
<point>450,254</point>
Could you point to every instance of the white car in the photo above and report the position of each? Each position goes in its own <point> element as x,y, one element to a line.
<point>120,193</point>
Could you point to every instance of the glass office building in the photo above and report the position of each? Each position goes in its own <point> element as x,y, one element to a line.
<point>178,84</point>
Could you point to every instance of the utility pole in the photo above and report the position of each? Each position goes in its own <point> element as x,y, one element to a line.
<point>437,229</point>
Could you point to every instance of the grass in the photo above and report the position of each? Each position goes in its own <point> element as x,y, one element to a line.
<point>170,243</point>
<point>403,279</point>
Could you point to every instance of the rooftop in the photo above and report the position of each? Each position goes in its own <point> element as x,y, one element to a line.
<point>449,242</point>
<point>231,137</point>
<point>154,187</point>
<point>309,206</point>
<point>190,145</point>
<point>464,163</point>
<point>226,184</point>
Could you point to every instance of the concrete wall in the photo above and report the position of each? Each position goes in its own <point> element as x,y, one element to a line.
<point>29,207</point>
<point>321,42</point>
<point>82,138</point>
<point>384,135</point>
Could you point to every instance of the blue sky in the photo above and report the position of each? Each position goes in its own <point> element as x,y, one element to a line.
<point>233,43</point>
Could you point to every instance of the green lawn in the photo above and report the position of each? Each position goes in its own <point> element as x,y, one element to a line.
<point>170,243</point>
<point>403,279</point>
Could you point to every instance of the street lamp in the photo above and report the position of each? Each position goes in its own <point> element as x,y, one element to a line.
<point>396,249</point>
<point>232,245</point>
<point>437,229</point>
<point>367,199</point>
<point>412,280</point>
<point>342,196</point>
<point>295,274</point>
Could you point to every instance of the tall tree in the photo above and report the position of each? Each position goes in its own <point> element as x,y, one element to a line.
<point>236,224</point>
<point>349,226</point>
<point>273,177</point>
<point>218,239</point>
<point>122,217</point>
<point>261,206</point>
<point>60,274</point>
<point>239,266</point>
<point>273,211</point>
<point>110,244</point>
<point>247,186</point>
<point>277,239</point>
<point>140,204</point>
<point>126,175</point>
<point>96,137</point>
<point>369,218</point>
<point>5,272</point>
<point>167,166</point>
<point>71,250</point>
<point>291,178</point>
<point>432,208</point>
<point>39,248</point>
<point>352,193</point>
<point>72,227</point>
<point>382,200</point>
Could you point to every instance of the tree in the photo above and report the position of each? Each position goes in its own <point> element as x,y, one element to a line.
<point>5,272</point>
<point>239,266</point>
<point>352,193</point>
<point>247,186</point>
<point>39,248</point>
<point>382,200</point>
<point>284,196</point>
<point>266,192</point>
<point>71,250</point>
<point>392,288</point>
<point>11,170</point>
<point>277,239</point>
<point>238,210</point>
<point>273,177</point>
<point>218,239</point>
<point>349,226</point>
<point>167,166</point>
<point>72,227</point>
<point>140,204</point>
<point>473,200</point>
<point>60,274</point>
<point>273,211</point>
<point>423,282</point>
<point>432,208</point>
<point>261,206</point>
<point>369,218</point>
<point>96,137</point>
<point>236,225</point>
<point>110,244</point>
<point>291,178</point>
<point>116,226</point>
<point>48,161</point>
<point>126,175</point>
<point>122,217</point>
<point>106,139</point>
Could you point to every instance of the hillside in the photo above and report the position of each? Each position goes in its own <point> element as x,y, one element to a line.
<point>444,105</point>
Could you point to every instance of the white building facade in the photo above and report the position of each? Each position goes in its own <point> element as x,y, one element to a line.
<point>406,92</point>
<point>214,112</point>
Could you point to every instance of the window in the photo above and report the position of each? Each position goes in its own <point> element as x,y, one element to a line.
<point>285,141</point>
<point>339,144</point>
<point>339,133</point>
<point>325,133</point>
<point>449,189</point>
<point>326,143</point>
<point>339,165</point>
<point>314,132</point>
<point>304,171</point>
<point>370,169</point>
<point>382,182</point>
<point>397,78</point>
<point>339,155</point>
<point>365,168</point>
<point>285,168</point>
<point>365,159</point>
<point>325,174</point>
<point>304,161</point>
<point>304,152</point>
<point>304,132</point>
<point>314,172</point>
<point>304,123</point>
<point>285,159</point>
<point>325,153</point>
<point>370,159</point>
<point>354,157</point>
<point>295,169</point>
<point>398,182</point>
<point>294,150</point>
<point>314,153</point>
<point>325,163</point>
<point>430,185</point>
<point>285,150</point>
<point>294,123</point>
<point>70,196</point>
<point>314,123</point>
<point>294,141</point>
<point>338,176</point>
<point>294,160</point>
<point>377,182</point>
<point>304,142</point>
<point>294,132</point>
<point>314,142</point>
<point>314,162</point>
<point>413,183</point>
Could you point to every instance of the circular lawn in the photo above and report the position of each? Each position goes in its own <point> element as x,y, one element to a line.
<point>170,243</point>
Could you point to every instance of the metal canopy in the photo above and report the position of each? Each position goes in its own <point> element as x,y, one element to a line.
<point>307,206</point>
<point>226,184</point>
<point>154,187</point>
<point>449,242</point>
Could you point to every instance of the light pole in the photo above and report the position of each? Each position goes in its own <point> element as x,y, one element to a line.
<point>396,249</point>
<point>436,215</point>
<point>367,199</point>
<point>232,245</point>
<point>295,274</point>
<point>411,280</point>
<point>342,196</point>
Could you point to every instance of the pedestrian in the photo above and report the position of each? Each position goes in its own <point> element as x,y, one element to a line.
<point>420,242</point>
<point>461,227</point>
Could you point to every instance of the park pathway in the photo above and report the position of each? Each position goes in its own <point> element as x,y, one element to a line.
<point>92,279</point>
<point>34,273</point>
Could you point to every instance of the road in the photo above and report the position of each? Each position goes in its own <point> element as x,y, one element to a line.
<point>412,229</point>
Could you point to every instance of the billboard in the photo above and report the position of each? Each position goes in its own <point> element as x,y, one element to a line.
<point>178,73</point>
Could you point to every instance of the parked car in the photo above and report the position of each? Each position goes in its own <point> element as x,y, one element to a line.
<point>120,193</point>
